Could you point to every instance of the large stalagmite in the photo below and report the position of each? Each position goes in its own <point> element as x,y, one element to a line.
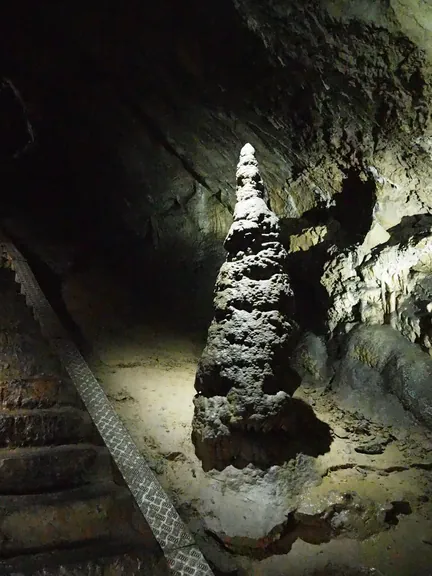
<point>244,405</point>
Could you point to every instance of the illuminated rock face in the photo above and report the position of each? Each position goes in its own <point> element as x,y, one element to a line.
<point>392,285</point>
<point>243,380</point>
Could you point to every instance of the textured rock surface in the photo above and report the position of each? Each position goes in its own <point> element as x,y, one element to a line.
<point>378,358</point>
<point>138,135</point>
<point>69,565</point>
<point>311,361</point>
<point>368,485</point>
<point>243,410</point>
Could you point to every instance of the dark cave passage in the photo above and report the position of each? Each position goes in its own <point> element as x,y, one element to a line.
<point>354,206</point>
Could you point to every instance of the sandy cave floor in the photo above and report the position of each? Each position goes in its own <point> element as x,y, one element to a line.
<point>148,370</point>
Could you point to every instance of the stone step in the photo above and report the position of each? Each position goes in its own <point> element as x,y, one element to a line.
<point>38,392</point>
<point>99,513</point>
<point>45,427</point>
<point>36,470</point>
<point>118,559</point>
<point>23,355</point>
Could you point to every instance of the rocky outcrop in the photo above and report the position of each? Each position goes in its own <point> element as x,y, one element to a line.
<point>379,363</point>
<point>334,515</point>
<point>244,411</point>
<point>390,285</point>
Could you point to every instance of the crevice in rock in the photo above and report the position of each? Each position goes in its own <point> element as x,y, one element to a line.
<point>400,507</point>
<point>354,206</point>
<point>386,470</point>
<point>17,134</point>
<point>312,300</point>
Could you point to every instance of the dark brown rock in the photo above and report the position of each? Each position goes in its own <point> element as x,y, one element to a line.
<point>59,489</point>
<point>92,560</point>
<point>57,520</point>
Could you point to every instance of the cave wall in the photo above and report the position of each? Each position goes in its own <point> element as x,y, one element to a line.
<point>140,115</point>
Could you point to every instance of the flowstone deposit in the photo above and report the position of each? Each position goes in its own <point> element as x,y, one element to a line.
<point>244,412</point>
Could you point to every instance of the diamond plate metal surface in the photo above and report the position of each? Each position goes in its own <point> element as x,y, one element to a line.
<point>183,557</point>
<point>188,561</point>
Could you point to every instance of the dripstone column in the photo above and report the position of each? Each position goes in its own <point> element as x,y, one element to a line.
<point>243,407</point>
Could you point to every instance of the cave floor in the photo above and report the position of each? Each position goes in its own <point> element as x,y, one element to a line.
<point>147,369</point>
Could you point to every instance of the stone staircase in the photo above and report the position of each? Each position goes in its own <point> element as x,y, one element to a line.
<point>62,500</point>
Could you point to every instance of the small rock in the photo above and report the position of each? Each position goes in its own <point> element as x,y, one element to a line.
<point>340,432</point>
<point>374,446</point>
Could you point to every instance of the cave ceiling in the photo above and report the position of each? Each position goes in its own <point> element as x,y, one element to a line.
<point>140,112</point>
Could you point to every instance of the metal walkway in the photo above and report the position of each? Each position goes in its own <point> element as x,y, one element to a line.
<point>182,555</point>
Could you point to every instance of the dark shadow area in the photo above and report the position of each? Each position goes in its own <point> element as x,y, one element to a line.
<point>14,129</point>
<point>311,298</point>
<point>305,269</point>
<point>287,380</point>
<point>300,432</point>
<point>87,95</point>
<point>338,570</point>
<point>348,222</point>
<point>354,206</point>
<point>410,225</point>
<point>100,555</point>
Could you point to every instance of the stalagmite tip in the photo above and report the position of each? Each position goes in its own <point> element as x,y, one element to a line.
<point>247,150</point>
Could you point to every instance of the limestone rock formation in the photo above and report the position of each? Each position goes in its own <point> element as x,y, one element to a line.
<point>243,379</point>
<point>310,360</point>
<point>357,99</point>
<point>391,285</point>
